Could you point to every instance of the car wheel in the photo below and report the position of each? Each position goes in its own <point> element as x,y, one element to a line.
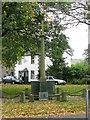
<point>56,83</point>
<point>13,82</point>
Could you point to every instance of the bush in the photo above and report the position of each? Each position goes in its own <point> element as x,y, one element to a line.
<point>78,81</point>
<point>84,80</point>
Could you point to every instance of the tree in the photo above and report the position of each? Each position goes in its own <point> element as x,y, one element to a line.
<point>22,31</point>
<point>77,12</point>
<point>77,71</point>
<point>19,31</point>
<point>55,50</point>
<point>85,54</point>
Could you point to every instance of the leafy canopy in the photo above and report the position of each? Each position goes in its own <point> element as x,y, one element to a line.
<point>21,31</point>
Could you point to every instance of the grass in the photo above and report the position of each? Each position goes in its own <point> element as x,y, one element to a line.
<point>41,108</point>
<point>73,89</point>
<point>14,90</point>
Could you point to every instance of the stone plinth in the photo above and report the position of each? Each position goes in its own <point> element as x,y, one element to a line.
<point>51,87</point>
<point>35,88</point>
<point>42,89</point>
<point>43,95</point>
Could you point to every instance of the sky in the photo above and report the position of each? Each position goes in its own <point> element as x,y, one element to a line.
<point>78,40</point>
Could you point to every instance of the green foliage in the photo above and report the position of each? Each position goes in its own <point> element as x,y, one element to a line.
<point>79,81</point>
<point>77,71</point>
<point>76,74</point>
<point>57,46</point>
<point>21,32</point>
<point>56,70</point>
<point>88,72</point>
<point>55,50</point>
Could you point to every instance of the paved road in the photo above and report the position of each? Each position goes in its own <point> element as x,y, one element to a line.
<point>68,117</point>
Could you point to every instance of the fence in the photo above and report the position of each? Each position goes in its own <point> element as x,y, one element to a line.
<point>59,95</point>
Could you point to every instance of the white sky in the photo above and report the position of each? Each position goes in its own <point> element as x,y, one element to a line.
<point>78,39</point>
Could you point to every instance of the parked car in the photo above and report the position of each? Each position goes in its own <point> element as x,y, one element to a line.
<point>12,80</point>
<point>57,81</point>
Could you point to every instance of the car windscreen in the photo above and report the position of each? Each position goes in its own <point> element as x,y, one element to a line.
<point>15,77</point>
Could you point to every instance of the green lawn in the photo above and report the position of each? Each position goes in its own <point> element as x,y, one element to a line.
<point>9,90</point>
<point>73,89</point>
<point>13,90</point>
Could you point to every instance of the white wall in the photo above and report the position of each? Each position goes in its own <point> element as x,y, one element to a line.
<point>26,63</point>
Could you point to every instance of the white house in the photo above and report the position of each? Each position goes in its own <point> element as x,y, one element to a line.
<point>28,68</point>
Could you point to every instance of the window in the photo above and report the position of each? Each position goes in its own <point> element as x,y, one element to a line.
<point>12,73</point>
<point>32,74</point>
<point>50,78</point>
<point>20,75</point>
<point>32,59</point>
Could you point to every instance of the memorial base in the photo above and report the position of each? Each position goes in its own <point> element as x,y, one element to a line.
<point>43,95</point>
<point>42,89</point>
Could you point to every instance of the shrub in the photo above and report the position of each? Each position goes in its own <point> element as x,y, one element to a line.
<point>78,81</point>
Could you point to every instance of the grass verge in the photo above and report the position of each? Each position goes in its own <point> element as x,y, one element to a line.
<point>9,90</point>
<point>42,108</point>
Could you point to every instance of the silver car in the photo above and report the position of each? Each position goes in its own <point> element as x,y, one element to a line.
<point>57,81</point>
